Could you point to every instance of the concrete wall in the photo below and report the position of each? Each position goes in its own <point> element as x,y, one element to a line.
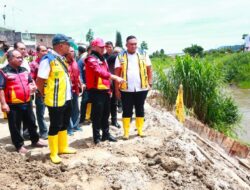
<point>10,36</point>
<point>44,39</point>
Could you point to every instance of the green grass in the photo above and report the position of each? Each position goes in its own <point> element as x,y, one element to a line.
<point>234,66</point>
<point>162,61</point>
<point>244,84</point>
<point>203,82</point>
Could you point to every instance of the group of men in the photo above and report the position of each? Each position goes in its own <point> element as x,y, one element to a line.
<point>57,81</point>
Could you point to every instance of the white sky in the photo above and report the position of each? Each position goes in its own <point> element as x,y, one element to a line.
<point>168,24</point>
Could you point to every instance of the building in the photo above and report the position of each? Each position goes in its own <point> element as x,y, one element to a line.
<point>44,39</point>
<point>31,40</point>
<point>8,37</point>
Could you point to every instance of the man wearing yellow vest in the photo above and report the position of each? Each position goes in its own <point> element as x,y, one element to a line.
<point>134,66</point>
<point>53,82</point>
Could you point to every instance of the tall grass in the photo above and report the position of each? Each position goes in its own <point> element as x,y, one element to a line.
<point>202,85</point>
<point>235,66</point>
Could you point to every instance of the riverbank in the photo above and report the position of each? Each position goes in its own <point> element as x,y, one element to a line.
<point>170,157</point>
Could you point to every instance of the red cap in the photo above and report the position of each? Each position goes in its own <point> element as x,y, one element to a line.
<point>98,42</point>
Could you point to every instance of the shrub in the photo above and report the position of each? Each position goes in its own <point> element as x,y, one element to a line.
<point>202,84</point>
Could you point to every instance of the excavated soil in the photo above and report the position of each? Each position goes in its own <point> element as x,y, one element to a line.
<point>169,157</point>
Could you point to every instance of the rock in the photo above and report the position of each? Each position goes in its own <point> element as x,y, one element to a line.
<point>171,164</point>
<point>152,154</point>
<point>116,186</point>
<point>10,147</point>
<point>151,163</point>
<point>158,160</point>
<point>73,164</point>
<point>35,155</point>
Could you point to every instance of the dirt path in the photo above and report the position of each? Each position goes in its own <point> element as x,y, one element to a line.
<point>170,157</point>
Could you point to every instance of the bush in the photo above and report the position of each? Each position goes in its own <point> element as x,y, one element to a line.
<point>235,67</point>
<point>202,84</point>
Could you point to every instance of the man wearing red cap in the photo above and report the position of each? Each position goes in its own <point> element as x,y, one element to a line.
<point>98,84</point>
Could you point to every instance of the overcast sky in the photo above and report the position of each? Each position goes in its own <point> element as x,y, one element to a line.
<point>168,24</point>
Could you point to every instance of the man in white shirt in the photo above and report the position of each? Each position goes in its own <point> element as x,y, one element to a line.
<point>53,83</point>
<point>134,66</point>
<point>20,46</point>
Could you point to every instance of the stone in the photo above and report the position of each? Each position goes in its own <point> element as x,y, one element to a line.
<point>171,164</point>
<point>35,155</point>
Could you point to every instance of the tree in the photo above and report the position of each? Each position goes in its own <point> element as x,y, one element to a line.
<point>194,50</point>
<point>162,52</point>
<point>244,36</point>
<point>144,45</point>
<point>118,41</point>
<point>90,35</point>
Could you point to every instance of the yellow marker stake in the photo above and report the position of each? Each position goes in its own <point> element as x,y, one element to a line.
<point>4,115</point>
<point>180,105</point>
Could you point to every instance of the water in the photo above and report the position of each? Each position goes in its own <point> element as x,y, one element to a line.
<point>242,98</point>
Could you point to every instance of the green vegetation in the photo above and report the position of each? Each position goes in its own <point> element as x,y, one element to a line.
<point>203,86</point>
<point>118,39</point>
<point>194,50</point>
<point>89,35</point>
<point>144,45</point>
<point>234,66</point>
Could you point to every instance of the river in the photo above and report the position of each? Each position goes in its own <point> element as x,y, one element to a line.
<point>242,99</point>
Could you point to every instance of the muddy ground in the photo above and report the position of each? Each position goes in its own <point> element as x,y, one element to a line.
<point>170,157</point>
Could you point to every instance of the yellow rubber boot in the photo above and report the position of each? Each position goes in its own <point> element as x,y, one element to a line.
<point>139,123</point>
<point>126,127</point>
<point>88,111</point>
<point>63,143</point>
<point>53,146</point>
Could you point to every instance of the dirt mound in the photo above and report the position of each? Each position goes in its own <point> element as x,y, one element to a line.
<point>168,158</point>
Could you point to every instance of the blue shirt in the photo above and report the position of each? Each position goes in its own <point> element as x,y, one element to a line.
<point>81,66</point>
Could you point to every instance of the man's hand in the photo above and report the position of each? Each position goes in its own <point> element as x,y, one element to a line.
<point>33,88</point>
<point>150,86</point>
<point>5,108</point>
<point>83,87</point>
<point>118,79</point>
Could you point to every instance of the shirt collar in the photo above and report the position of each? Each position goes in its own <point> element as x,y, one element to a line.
<point>13,69</point>
<point>55,53</point>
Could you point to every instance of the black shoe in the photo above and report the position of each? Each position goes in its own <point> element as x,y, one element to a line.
<point>81,121</point>
<point>116,124</point>
<point>86,122</point>
<point>97,141</point>
<point>109,138</point>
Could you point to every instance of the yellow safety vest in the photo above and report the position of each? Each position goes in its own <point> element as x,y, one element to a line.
<point>123,58</point>
<point>56,85</point>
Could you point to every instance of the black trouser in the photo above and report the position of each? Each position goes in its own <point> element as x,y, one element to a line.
<point>18,114</point>
<point>100,113</point>
<point>113,108</point>
<point>25,124</point>
<point>84,102</point>
<point>131,99</point>
<point>59,118</point>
